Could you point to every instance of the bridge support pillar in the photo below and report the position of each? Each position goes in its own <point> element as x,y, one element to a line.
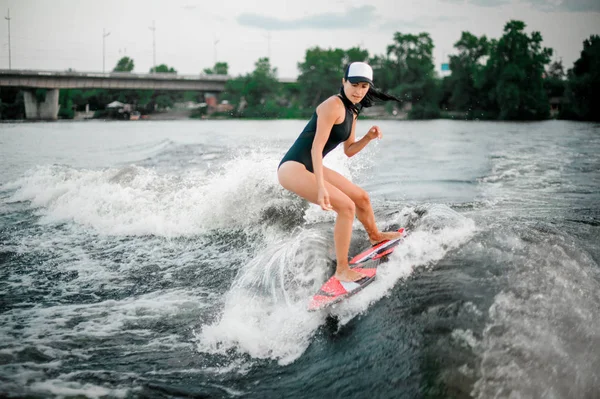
<point>42,110</point>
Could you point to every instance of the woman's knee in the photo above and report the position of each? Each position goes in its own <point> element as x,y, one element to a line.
<point>346,208</point>
<point>362,200</point>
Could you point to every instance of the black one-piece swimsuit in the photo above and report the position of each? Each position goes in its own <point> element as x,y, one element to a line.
<point>300,150</point>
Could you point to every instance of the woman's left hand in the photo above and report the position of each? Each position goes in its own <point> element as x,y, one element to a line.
<point>374,133</point>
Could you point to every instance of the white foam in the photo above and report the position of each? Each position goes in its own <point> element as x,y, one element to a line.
<point>465,337</point>
<point>543,333</point>
<point>138,201</point>
<point>265,313</point>
<point>44,326</point>
<point>437,232</point>
<point>63,388</point>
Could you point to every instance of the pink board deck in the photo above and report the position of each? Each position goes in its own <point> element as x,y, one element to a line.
<point>334,291</point>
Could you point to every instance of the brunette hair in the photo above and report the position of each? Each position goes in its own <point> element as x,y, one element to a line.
<point>372,95</point>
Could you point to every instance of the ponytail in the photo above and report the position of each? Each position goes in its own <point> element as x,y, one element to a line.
<point>368,101</point>
<point>376,95</point>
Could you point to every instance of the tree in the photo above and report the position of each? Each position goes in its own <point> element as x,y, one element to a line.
<point>97,98</point>
<point>356,54</point>
<point>320,75</point>
<point>125,64</point>
<point>136,97</point>
<point>65,110</point>
<point>466,69</point>
<point>556,70</point>
<point>220,68</point>
<point>162,68</point>
<point>410,58</point>
<point>514,72</point>
<point>584,83</point>
<point>554,80</point>
<point>383,72</point>
<point>163,101</point>
<point>258,91</point>
<point>12,104</point>
<point>322,71</point>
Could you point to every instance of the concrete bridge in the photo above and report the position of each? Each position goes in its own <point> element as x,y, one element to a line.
<point>54,81</point>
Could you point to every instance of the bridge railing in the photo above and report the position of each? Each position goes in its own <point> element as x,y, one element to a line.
<point>111,75</point>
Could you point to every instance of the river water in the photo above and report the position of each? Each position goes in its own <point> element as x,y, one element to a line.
<point>162,259</point>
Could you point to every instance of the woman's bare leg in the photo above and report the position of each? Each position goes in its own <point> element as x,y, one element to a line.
<point>293,176</point>
<point>364,210</point>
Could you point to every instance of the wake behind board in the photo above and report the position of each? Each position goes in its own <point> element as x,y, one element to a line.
<point>334,291</point>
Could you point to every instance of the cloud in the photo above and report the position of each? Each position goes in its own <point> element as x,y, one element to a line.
<point>543,5</point>
<point>566,5</point>
<point>354,18</point>
<point>423,23</point>
<point>482,3</point>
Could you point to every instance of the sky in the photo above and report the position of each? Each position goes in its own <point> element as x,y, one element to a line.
<point>56,35</point>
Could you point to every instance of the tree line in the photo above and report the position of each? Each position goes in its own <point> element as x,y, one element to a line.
<point>510,78</point>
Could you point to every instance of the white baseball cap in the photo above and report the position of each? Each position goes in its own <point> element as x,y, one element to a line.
<point>359,72</point>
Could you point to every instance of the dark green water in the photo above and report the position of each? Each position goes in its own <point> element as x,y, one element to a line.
<point>163,260</point>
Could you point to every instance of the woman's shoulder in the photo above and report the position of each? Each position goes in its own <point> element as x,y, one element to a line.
<point>331,104</point>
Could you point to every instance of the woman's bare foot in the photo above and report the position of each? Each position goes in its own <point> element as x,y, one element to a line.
<point>385,235</point>
<point>348,275</point>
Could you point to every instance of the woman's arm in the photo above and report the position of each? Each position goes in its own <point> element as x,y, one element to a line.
<point>352,147</point>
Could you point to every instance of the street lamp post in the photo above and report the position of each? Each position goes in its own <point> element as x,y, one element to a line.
<point>215,44</point>
<point>104,34</point>
<point>9,55</point>
<point>153,29</point>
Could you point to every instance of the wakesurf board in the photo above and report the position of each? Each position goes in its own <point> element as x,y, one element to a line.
<point>366,262</point>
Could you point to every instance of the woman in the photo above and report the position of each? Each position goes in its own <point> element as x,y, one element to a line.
<point>301,170</point>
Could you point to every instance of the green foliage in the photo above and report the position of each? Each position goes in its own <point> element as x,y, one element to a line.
<point>515,71</point>
<point>12,104</point>
<point>101,114</point>
<point>320,75</point>
<point>97,98</point>
<point>467,69</point>
<point>255,95</point>
<point>411,70</point>
<point>77,97</point>
<point>40,95</point>
<point>195,96</point>
<point>162,68</point>
<point>554,82</point>
<point>583,92</point>
<point>356,54</point>
<point>137,97</point>
<point>322,71</point>
<point>220,68</point>
<point>163,101</point>
<point>411,58</point>
<point>424,111</point>
<point>65,111</point>
<point>125,64</point>
<point>506,78</point>
<point>384,74</point>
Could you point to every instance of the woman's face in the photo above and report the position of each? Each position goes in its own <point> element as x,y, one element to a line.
<point>355,91</point>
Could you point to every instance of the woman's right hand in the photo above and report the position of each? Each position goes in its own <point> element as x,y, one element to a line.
<point>323,199</point>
